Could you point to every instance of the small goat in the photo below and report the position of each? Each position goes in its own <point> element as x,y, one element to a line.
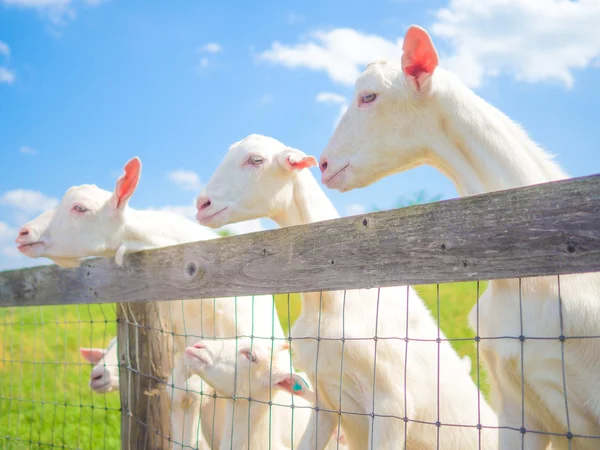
<point>105,373</point>
<point>268,405</point>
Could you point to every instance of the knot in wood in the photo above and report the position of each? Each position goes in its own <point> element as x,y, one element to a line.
<point>192,269</point>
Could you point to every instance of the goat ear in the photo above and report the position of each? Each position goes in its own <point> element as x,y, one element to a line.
<point>295,384</point>
<point>92,355</point>
<point>284,346</point>
<point>419,57</point>
<point>127,184</point>
<point>297,160</point>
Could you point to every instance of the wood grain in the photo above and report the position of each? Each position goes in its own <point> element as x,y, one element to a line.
<point>546,229</point>
<point>145,357</point>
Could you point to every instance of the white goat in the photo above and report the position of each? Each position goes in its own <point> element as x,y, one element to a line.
<point>255,375</point>
<point>105,373</point>
<point>466,363</point>
<point>410,113</point>
<point>261,177</point>
<point>90,221</point>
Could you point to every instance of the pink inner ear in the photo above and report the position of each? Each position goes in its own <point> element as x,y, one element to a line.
<point>294,384</point>
<point>419,55</point>
<point>287,384</point>
<point>304,163</point>
<point>92,355</point>
<point>127,183</point>
<point>284,346</point>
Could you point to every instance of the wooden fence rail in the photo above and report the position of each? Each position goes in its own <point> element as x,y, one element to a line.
<point>551,228</point>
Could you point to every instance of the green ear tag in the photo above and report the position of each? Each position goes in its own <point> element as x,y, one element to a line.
<point>297,387</point>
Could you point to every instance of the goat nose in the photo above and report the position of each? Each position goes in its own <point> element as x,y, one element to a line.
<point>96,376</point>
<point>199,345</point>
<point>22,233</point>
<point>323,166</point>
<point>202,202</point>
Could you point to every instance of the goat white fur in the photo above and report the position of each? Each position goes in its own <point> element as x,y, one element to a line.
<point>105,373</point>
<point>90,221</point>
<point>261,177</point>
<point>255,374</point>
<point>411,113</point>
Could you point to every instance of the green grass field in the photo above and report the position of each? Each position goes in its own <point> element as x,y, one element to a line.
<point>45,401</point>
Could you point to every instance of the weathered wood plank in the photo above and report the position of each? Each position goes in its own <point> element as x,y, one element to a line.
<point>146,360</point>
<point>552,228</point>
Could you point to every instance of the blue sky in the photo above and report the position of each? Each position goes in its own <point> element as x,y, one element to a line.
<point>86,85</point>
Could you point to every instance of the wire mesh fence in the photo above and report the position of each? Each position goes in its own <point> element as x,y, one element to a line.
<point>418,381</point>
<point>47,401</point>
<point>45,396</point>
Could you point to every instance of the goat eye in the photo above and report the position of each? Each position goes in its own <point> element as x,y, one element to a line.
<point>250,355</point>
<point>255,160</point>
<point>368,98</point>
<point>79,208</point>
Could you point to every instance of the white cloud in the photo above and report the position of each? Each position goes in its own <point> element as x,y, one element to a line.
<point>4,49</point>
<point>355,209</point>
<point>28,201</point>
<point>333,99</point>
<point>330,97</point>
<point>10,252</point>
<point>341,52</point>
<point>58,12</point>
<point>6,232</point>
<point>28,150</point>
<point>36,3</point>
<point>294,18</point>
<point>211,47</point>
<point>187,211</point>
<point>185,179</point>
<point>6,76</point>
<point>10,258</point>
<point>531,40</point>
<point>266,99</point>
<point>203,63</point>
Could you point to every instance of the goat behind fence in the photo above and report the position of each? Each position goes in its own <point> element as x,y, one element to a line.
<point>547,230</point>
